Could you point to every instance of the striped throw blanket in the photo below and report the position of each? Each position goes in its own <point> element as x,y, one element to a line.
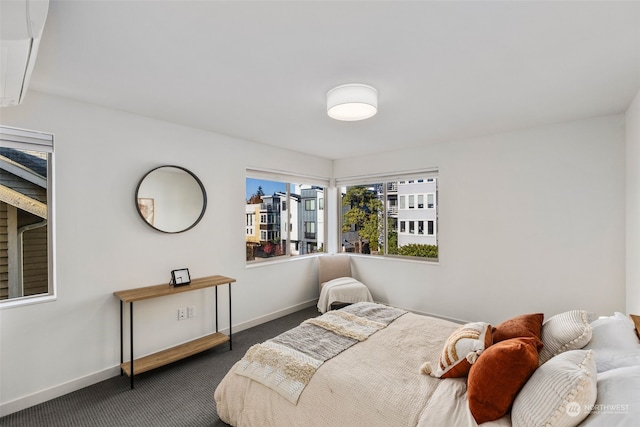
<point>287,362</point>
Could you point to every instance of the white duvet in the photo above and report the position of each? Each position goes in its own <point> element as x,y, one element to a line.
<point>374,383</point>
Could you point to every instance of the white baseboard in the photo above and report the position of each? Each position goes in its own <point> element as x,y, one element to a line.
<point>271,316</point>
<point>57,391</point>
<point>79,383</point>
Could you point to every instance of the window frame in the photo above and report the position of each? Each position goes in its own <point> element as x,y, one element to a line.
<point>43,142</point>
<point>290,179</point>
<point>384,181</point>
<point>310,205</point>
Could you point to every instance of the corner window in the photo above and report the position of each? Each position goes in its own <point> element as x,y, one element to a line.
<point>26,216</point>
<point>290,224</point>
<point>391,217</point>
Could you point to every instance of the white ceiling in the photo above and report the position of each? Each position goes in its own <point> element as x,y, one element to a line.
<point>260,70</point>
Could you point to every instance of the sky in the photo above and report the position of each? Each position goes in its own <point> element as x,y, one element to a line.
<point>268,187</point>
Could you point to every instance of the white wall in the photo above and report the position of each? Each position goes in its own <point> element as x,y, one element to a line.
<point>103,246</point>
<point>529,221</point>
<point>633,206</point>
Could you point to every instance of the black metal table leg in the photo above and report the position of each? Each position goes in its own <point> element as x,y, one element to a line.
<point>131,337</point>
<point>216,302</point>
<point>121,337</point>
<point>230,345</point>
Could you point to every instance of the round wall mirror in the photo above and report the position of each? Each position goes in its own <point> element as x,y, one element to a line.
<point>171,199</point>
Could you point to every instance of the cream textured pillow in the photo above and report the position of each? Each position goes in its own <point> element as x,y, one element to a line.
<point>560,393</point>
<point>563,332</point>
<point>461,350</point>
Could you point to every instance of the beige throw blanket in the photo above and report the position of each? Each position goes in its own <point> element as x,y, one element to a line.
<point>287,362</point>
<point>375,383</point>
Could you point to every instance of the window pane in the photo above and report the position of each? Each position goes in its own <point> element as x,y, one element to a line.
<point>266,200</point>
<point>406,233</point>
<point>310,204</point>
<point>390,218</point>
<point>24,222</point>
<point>289,222</point>
<point>362,216</point>
<point>311,237</point>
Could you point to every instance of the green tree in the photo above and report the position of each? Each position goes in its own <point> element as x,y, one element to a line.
<point>363,214</point>
<point>256,197</point>
<point>392,238</point>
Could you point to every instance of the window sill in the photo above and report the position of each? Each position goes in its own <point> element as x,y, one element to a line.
<point>19,302</point>
<point>413,260</point>
<point>280,260</point>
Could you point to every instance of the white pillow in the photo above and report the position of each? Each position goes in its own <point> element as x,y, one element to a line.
<point>560,393</point>
<point>563,332</point>
<point>618,402</point>
<point>612,359</point>
<point>614,332</point>
<point>614,342</point>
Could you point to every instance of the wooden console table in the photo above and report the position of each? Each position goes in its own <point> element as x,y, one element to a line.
<point>164,357</point>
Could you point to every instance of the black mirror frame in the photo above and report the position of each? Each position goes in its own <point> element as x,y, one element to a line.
<point>204,198</point>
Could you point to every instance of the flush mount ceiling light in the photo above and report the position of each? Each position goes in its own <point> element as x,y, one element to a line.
<point>352,102</point>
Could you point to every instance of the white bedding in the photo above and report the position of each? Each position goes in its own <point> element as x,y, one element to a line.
<point>374,383</point>
<point>377,382</point>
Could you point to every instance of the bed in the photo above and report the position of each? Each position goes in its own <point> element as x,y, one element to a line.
<point>394,375</point>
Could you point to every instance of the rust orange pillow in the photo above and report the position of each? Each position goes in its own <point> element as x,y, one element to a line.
<point>525,325</point>
<point>498,375</point>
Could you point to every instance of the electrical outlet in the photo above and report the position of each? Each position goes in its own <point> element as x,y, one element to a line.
<point>191,311</point>
<point>182,313</point>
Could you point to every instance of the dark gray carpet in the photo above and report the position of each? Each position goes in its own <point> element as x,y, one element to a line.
<point>180,394</point>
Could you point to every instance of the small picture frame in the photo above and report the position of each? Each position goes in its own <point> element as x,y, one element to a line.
<point>180,277</point>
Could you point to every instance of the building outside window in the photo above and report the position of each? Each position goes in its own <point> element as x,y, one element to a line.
<point>26,216</point>
<point>389,217</point>
<point>290,225</point>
